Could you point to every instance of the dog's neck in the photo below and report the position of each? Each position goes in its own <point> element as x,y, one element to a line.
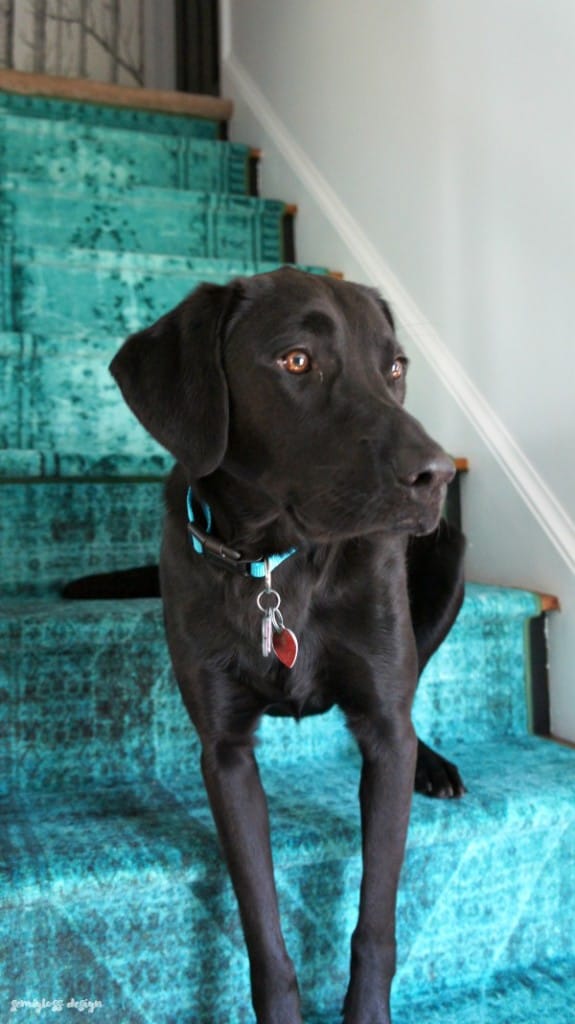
<point>245,518</point>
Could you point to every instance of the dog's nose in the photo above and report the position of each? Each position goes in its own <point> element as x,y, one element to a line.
<point>422,470</point>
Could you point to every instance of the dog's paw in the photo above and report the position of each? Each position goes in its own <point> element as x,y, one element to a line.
<point>436,776</point>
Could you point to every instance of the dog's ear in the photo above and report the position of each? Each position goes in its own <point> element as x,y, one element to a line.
<point>171,376</point>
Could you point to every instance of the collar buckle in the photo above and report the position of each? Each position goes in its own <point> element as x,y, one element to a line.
<point>213,546</point>
<point>204,543</point>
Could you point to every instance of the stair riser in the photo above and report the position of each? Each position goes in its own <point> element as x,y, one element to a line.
<point>55,531</point>
<point>54,292</point>
<point>163,222</point>
<point>59,296</point>
<point>62,404</point>
<point>64,154</point>
<point>93,720</point>
<point>102,694</point>
<point>61,398</point>
<point>460,696</point>
<point>184,938</point>
<point>109,667</point>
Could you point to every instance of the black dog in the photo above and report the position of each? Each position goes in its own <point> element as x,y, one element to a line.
<point>281,398</point>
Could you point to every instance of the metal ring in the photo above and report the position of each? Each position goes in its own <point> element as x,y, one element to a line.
<point>268,593</point>
<point>277,620</point>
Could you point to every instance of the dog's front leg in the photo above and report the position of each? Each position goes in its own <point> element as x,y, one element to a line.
<point>389,747</point>
<point>239,807</point>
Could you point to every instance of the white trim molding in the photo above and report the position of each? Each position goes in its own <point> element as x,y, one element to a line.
<point>539,498</point>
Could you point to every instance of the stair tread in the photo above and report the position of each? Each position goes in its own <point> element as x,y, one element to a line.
<point>46,463</point>
<point>94,835</point>
<point>139,857</point>
<point>161,263</point>
<point>147,194</point>
<point>123,713</point>
<point>483,599</point>
<point>126,689</point>
<point>545,993</point>
<point>83,90</point>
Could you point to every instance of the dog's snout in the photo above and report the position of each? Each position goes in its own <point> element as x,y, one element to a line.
<point>419,470</point>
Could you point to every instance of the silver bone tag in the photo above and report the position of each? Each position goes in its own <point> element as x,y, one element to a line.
<point>267,633</point>
<point>268,601</point>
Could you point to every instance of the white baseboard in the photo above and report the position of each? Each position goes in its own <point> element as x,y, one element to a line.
<point>539,498</point>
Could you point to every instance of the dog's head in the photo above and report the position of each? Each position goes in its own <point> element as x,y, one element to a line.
<point>295,383</point>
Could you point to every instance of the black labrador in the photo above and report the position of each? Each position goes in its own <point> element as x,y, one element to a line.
<point>304,564</point>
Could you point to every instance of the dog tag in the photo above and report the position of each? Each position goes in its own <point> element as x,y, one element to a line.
<point>275,636</point>
<point>285,645</point>
<point>267,634</point>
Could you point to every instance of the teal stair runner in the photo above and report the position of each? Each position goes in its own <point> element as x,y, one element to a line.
<point>79,292</point>
<point>165,221</point>
<point>112,889</point>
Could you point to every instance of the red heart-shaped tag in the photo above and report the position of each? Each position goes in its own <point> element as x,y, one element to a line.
<point>285,646</point>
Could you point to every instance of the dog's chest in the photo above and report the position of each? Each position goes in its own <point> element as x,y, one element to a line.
<point>341,630</point>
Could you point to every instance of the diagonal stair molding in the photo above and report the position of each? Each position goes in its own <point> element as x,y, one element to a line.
<point>533,490</point>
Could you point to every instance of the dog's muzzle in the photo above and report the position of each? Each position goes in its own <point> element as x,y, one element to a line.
<point>423,475</point>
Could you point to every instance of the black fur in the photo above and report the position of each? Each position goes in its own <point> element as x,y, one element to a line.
<point>327,461</point>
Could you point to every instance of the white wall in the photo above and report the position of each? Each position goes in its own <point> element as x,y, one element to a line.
<point>430,149</point>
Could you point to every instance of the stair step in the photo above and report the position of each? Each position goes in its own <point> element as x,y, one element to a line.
<point>466,698</point>
<point>53,291</point>
<point>106,666</point>
<point>545,992</point>
<point>105,103</point>
<point>64,515</point>
<point>118,876</point>
<point>65,414</point>
<point>56,530</point>
<point>24,465</point>
<point>64,153</point>
<point>165,221</point>
<point>62,401</point>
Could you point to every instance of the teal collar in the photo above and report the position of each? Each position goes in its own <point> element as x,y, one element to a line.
<point>204,543</point>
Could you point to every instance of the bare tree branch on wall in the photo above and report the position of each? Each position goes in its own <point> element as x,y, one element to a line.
<point>114,7</point>
<point>6,33</point>
<point>40,13</point>
<point>83,55</point>
<point>100,39</point>
<point>6,23</point>
<point>101,23</point>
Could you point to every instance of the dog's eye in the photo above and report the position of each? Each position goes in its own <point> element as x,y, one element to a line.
<point>297,361</point>
<point>397,369</point>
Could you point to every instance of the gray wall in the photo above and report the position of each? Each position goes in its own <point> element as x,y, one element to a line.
<point>431,151</point>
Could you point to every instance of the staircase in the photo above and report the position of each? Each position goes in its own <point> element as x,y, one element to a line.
<point>113,900</point>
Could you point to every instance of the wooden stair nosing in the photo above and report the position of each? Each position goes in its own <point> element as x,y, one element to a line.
<point>83,90</point>
<point>549,603</point>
